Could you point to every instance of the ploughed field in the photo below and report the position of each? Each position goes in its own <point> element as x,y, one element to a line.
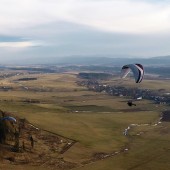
<point>93,122</point>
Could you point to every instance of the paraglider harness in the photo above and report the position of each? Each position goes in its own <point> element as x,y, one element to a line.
<point>130,103</point>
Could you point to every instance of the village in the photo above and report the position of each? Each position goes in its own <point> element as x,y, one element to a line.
<point>158,97</point>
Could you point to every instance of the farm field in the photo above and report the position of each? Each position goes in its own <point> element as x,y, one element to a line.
<point>95,121</point>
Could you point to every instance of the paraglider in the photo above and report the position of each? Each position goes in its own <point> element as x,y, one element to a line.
<point>130,103</point>
<point>138,73</point>
<point>9,118</point>
<point>137,69</point>
<point>8,127</point>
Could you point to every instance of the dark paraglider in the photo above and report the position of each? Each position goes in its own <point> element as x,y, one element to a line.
<point>130,103</point>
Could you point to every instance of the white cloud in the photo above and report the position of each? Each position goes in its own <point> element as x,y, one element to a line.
<point>68,27</point>
<point>107,15</point>
<point>22,44</point>
<point>122,16</point>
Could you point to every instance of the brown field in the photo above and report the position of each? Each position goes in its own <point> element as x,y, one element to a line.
<point>95,121</point>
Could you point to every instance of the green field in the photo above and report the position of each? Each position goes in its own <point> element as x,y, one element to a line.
<point>55,102</point>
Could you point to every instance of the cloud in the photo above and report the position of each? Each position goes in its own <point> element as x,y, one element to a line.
<point>22,44</point>
<point>130,16</point>
<point>88,27</point>
<point>122,16</point>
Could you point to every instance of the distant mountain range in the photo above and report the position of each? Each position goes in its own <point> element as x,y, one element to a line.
<point>111,61</point>
<point>95,60</point>
<point>155,65</point>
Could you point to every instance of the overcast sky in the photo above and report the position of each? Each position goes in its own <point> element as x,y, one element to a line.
<point>52,28</point>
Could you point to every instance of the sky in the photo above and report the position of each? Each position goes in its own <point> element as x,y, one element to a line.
<point>57,28</point>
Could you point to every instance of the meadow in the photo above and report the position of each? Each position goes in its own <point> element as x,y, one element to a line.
<point>96,121</point>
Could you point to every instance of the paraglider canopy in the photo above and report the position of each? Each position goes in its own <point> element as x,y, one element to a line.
<point>9,118</point>
<point>137,69</point>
